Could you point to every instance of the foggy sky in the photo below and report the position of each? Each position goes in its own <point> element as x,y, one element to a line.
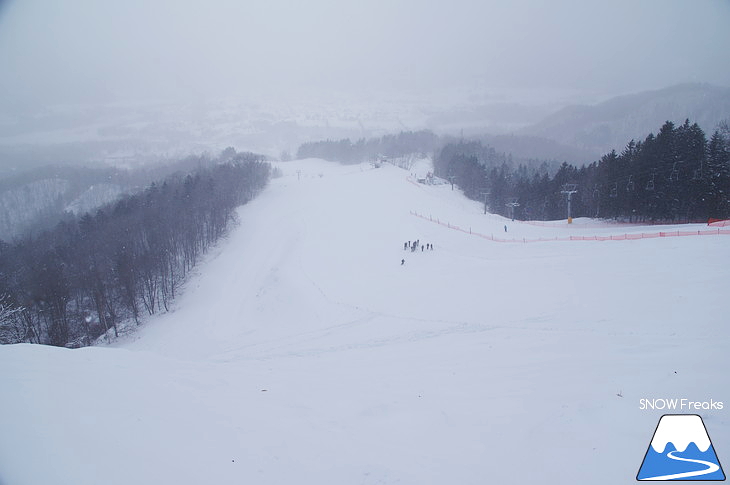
<point>89,51</point>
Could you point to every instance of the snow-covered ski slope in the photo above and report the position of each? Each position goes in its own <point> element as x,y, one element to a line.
<point>304,352</point>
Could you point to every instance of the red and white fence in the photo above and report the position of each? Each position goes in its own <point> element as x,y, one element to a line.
<point>620,237</point>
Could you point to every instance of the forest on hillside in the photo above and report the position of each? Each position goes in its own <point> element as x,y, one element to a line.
<point>346,151</point>
<point>676,175</point>
<point>35,200</point>
<point>77,281</point>
<point>418,144</point>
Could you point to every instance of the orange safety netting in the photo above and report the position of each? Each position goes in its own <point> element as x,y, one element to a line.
<point>619,237</point>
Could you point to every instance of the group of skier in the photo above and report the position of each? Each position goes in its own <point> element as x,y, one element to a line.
<point>413,246</point>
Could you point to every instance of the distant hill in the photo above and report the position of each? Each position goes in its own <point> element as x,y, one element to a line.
<point>524,148</point>
<point>613,123</point>
<point>35,200</point>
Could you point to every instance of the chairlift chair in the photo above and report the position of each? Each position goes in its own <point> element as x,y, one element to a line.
<point>650,183</point>
<point>674,175</point>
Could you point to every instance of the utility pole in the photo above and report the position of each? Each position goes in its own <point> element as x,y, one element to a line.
<point>569,190</point>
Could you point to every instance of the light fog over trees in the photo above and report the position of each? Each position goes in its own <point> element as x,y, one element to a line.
<point>35,200</point>
<point>346,151</point>
<point>79,280</point>
<point>676,175</point>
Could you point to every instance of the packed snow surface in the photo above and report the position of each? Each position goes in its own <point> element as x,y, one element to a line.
<point>311,348</point>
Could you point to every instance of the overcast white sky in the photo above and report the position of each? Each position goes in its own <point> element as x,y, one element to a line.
<point>90,51</point>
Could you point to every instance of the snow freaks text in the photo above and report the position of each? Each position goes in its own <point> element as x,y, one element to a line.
<point>679,404</point>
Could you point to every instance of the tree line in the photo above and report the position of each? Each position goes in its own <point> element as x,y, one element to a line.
<point>73,283</point>
<point>676,175</point>
<point>35,200</point>
<point>420,144</point>
<point>346,151</point>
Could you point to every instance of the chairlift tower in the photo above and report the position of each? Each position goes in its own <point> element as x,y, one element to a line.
<point>485,194</point>
<point>698,172</point>
<point>569,190</point>
<point>451,179</point>
<point>512,204</point>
